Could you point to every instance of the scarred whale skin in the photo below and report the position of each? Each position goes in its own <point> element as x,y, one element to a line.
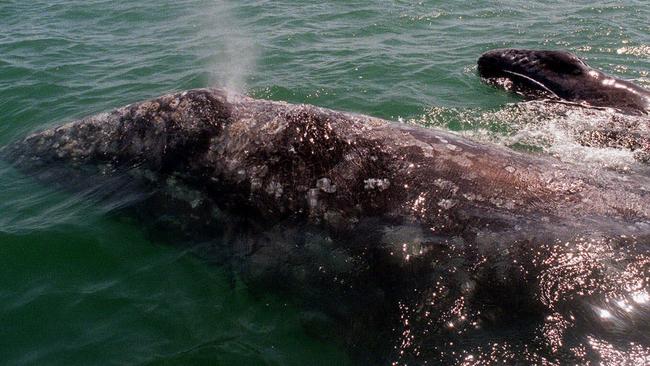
<point>420,246</point>
<point>562,75</point>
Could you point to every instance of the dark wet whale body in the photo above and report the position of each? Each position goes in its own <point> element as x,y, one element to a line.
<point>561,75</point>
<point>415,245</point>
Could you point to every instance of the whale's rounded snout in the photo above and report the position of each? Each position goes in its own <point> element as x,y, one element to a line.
<point>491,64</point>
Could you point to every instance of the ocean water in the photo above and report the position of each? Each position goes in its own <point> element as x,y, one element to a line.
<point>81,286</point>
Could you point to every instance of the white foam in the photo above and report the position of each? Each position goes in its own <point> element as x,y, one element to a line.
<point>552,128</point>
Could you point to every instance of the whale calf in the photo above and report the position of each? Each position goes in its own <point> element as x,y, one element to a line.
<point>561,75</point>
<point>408,245</point>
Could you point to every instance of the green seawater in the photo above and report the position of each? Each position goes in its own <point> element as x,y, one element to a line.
<point>79,286</point>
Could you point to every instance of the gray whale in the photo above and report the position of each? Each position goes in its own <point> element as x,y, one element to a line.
<point>409,245</point>
<point>561,75</point>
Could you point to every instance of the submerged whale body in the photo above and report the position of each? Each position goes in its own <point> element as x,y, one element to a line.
<point>413,245</point>
<point>561,75</point>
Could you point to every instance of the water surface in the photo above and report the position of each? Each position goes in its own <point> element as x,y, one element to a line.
<point>81,286</point>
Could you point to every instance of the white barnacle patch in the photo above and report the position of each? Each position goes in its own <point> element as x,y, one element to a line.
<point>325,185</point>
<point>446,185</point>
<point>274,188</point>
<point>376,183</point>
<point>567,187</point>
<point>469,196</point>
<point>312,199</point>
<point>256,184</point>
<point>497,201</point>
<point>419,205</point>
<point>453,147</point>
<point>241,174</point>
<point>510,169</point>
<point>350,157</point>
<point>446,203</point>
<point>509,205</point>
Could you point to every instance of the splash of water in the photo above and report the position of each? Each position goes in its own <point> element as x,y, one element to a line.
<point>584,136</point>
